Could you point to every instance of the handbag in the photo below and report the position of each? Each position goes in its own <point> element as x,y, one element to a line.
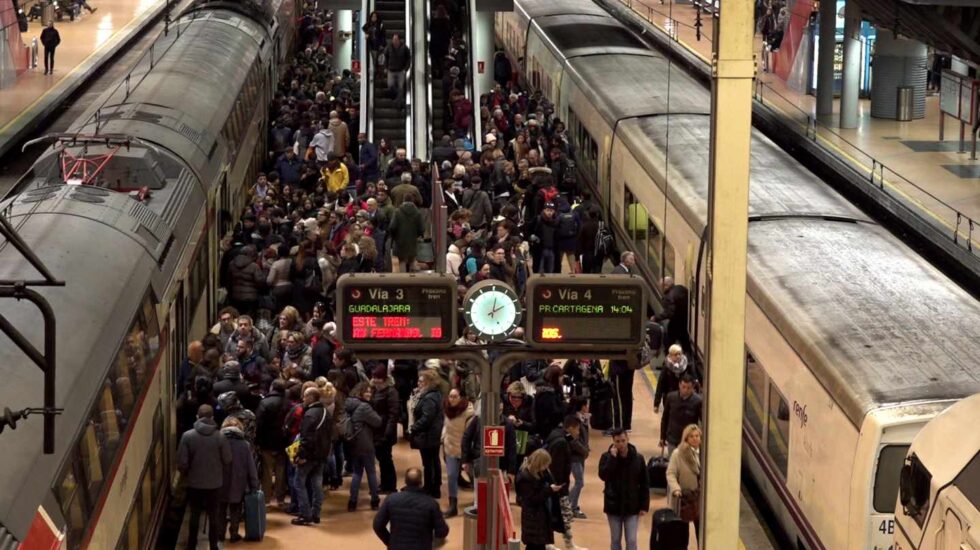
<point>293,450</point>
<point>690,505</point>
<point>521,437</point>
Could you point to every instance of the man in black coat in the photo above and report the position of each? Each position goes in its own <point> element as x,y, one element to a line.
<point>414,516</point>
<point>269,437</point>
<point>314,448</point>
<point>323,351</point>
<point>230,379</point>
<point>202,457</point>
<point>50,38</point>
<point>385,403</point>
<point>675,313</point>
<point>627,492</point>
<point>681,409</point>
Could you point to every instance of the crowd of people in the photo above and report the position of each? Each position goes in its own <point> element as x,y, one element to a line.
<point>273,400</point>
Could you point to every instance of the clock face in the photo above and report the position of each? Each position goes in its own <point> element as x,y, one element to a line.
<point>492,310</point>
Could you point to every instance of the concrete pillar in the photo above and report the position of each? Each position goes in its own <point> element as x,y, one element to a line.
<point>343,43</point>
<point>481,55</point>
<point>825,58</point>
<point>851,86</point>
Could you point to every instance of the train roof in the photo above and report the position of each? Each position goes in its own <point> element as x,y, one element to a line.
<point>532,9</point>
<point>858,305</point>
<point>625,86</point>
<point>96,248</point>
<point>576,35</point>
<point>877,324</point>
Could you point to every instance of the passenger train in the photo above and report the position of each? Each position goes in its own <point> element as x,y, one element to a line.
<point>939,498</point>
<point>853,341</point>
<point>182,134</point>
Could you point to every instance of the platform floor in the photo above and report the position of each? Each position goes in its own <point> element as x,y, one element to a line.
<point>929,175</point>
<point>342,529</point>
<point>85,43</point>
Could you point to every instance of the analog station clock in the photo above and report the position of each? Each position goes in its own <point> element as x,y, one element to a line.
<point>492,309</point>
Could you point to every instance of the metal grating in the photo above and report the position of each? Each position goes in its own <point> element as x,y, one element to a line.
<point>7,540</point>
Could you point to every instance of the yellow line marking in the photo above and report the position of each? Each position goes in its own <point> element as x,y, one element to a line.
<point>827,142</point>
<point>51,90</point>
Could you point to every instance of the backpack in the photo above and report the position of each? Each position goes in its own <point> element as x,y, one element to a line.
<point>604,241</point>
<point>346,427</point>
<point>566,226</point>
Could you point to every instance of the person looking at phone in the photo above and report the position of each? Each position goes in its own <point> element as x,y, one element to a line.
<point>627,493</point>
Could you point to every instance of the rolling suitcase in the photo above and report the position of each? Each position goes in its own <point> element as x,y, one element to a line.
<point>601,414</point>
<point>669,531</point>
<point>657,471</point>
<point>255,516</point>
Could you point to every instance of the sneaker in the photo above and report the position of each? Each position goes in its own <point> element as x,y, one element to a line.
<point>300,521</point>
<point>578,514</point>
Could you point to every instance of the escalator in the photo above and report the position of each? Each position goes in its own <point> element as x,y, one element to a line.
<point>389,122</point>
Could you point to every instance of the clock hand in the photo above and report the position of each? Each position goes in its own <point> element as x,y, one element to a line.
<point>493,308</point>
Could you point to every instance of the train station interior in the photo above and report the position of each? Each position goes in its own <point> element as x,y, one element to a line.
<point>447,273</point>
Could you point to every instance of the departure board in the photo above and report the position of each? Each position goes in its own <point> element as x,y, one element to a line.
<point>403,311</point>
<point>586,310</point>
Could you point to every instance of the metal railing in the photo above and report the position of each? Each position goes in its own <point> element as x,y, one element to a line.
<point>409,83</point>
<point>947,219</point>
<point>368,72</point>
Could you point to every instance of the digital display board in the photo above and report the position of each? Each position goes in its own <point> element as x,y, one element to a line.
<point>593,310</point>
<point>396,310</point>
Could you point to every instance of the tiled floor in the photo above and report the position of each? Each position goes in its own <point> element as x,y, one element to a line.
<point>81,40</point>
<point>932,177</point>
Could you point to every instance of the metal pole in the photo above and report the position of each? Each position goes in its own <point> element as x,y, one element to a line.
<point>731,123</point>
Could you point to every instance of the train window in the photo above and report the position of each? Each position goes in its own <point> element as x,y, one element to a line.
<point>147,494</point>
<point>755,391</point>
<point>889,468</point>
<point>915,484</point>
<point>777,441</point>
<point>637,222</point>
<point>110,417</point>
<point>968,481</point>
<point>582,142</point>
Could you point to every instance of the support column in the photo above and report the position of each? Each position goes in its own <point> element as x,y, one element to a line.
<point>343,43</point>
<point>728,199</point>
<point>851,85</point>
<point>481,55</point>
<point>825,58</point>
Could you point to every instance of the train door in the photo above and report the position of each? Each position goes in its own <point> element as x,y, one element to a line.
<point>178,334</point>
<point>950,533</point>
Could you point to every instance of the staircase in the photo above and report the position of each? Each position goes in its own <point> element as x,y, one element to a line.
<point>389,123</point>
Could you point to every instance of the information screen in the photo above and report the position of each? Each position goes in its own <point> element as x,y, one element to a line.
<point>381,310</point>
<point>591,310</point>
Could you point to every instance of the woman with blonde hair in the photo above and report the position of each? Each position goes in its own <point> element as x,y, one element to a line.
<point>684,477</point>
<point>458,411</point>
<point>425,433</point>
<point>534,488</point>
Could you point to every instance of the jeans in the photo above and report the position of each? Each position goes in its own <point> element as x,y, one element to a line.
<point>338,464</point>
<point>274,474</point>
<point>578,476</point>
<point>396,80</point>
<point>309,488</point>
<point>547,261</point>
<point>203,500</point>
<point>389,479</point>
<point>453,466</point>
<point>617,526</point>
<point>291,482</point>
<point>360,464</point>
<point>431,472</point>
<point>48,60</point>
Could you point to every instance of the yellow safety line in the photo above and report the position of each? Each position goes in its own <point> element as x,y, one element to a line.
<point>50,90</point>
<point>830,144</point>
<point>652,380</point>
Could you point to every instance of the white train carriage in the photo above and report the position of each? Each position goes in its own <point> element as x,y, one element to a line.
<point>939,499</point>
<point>853,341</point>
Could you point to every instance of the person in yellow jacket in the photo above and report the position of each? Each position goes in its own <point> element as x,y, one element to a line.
<point>335,174</point>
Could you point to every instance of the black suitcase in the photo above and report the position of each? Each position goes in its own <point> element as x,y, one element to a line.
<point>601,414</point>
<point>657,471</point>
<point>669,531</point>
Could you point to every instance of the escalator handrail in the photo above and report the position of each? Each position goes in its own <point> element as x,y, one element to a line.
<point>409,83</point>
<point>428,109</point>
<point>470,91</point>
<point>367,75</point>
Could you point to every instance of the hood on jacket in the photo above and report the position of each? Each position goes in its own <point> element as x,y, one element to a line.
<point>241,261</point>
<point>408,207</point>
<point>231,370</point>
<point>233,432</point>
<point>229,401</point>
<point>205,426</point>
<point>352,404</point>
<point>335,123</point>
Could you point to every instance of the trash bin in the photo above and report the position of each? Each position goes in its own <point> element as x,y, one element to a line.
<point>903,102</point>
<point>469,528</point>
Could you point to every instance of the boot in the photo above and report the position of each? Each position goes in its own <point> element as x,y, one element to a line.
<point>453,510</point>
